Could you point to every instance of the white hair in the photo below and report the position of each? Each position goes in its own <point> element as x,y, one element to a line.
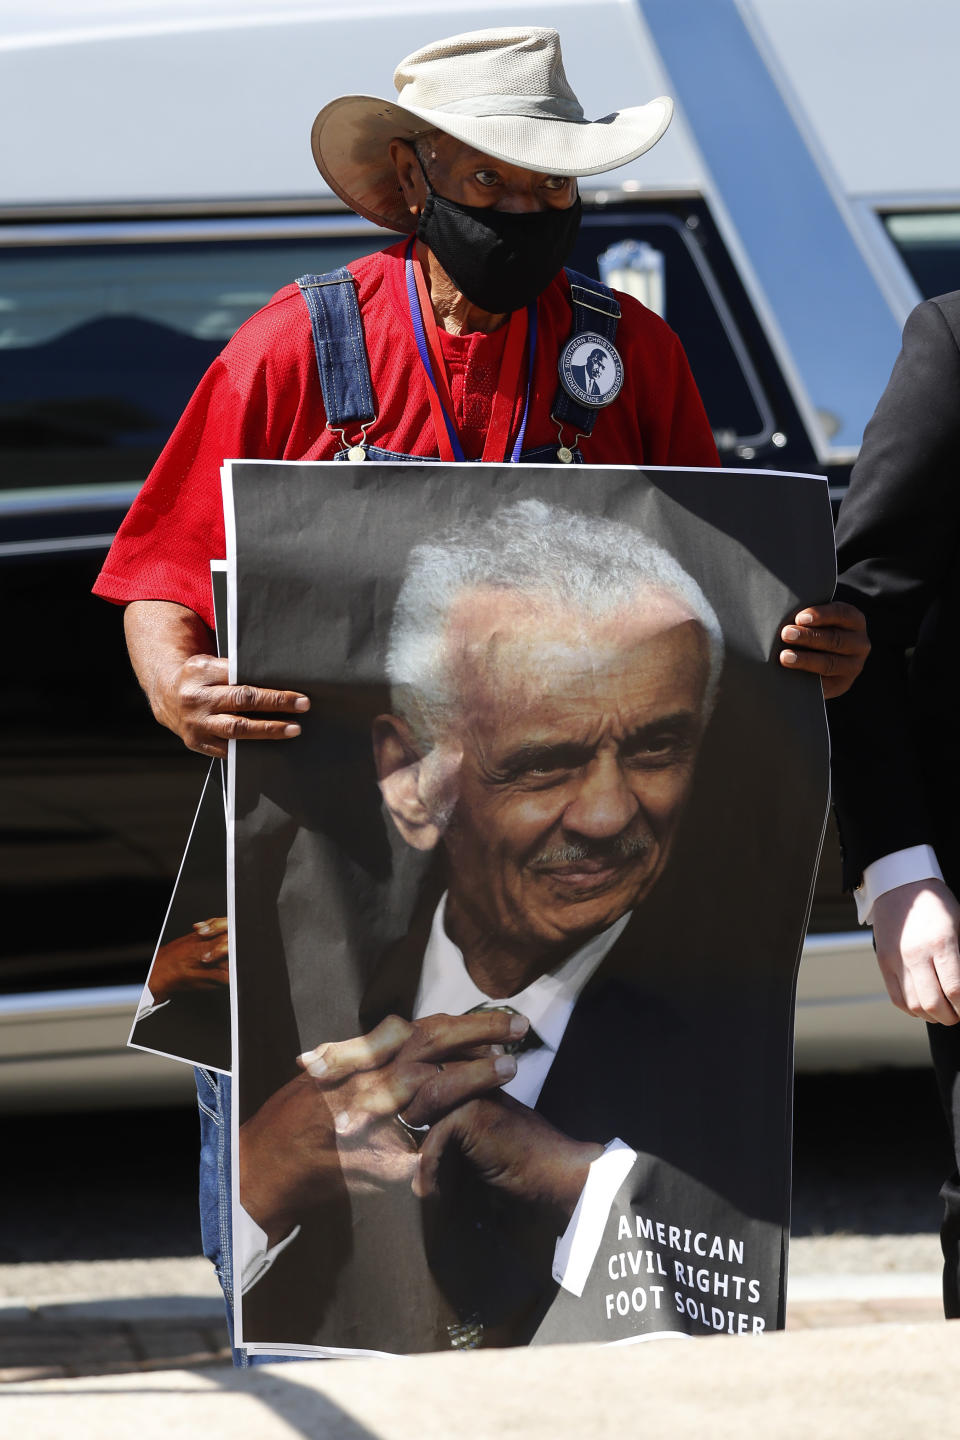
<point>578,562</point>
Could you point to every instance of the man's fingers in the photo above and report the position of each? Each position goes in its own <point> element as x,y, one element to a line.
<point>837,672</point>
<point>827,640</point>
<point>948,974</point>
<point>241,727</point>
<point>422,1093</point>
<point>819,637</point>
<point>444,1090</point>
<point>340,1058</point>
<point>424,1181</point>
<point>835,613</point>
<point>215,925</point>
<point>442,1037</point>
<point>915,986</point>
<point>226,699</point>
<point>216,953</point>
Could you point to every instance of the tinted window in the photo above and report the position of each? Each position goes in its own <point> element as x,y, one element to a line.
<point>101,346</point>
<point>929,244</point>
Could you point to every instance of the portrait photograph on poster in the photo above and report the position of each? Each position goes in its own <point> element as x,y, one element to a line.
<point>515,921</point>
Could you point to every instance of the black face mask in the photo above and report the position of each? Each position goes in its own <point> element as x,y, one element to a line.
<point>498,259</point>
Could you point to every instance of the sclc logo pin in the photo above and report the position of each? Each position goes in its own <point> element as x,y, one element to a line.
<point>591,370</point>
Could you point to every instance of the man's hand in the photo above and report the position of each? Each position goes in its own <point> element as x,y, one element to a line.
<point>198,704</point>
<point>191,962</point>
<point>513,1149</point>
<point>830,641</point>
<point>171,651</point>
<point>337,1121</point>
<point>915,928</point>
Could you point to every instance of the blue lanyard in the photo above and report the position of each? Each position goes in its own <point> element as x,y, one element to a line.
<point>416,318</point>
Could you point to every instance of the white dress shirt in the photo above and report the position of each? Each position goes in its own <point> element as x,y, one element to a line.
<point>902,867</point>
<point>446,989</point>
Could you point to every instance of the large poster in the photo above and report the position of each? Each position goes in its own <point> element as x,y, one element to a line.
<point>516,919</point>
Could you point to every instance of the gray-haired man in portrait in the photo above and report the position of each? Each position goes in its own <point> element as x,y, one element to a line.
<point>552,675</point>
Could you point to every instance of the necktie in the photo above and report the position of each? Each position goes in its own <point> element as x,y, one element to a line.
<point>530,1041</point>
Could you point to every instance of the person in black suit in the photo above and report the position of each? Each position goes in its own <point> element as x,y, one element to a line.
<point>896,780</point>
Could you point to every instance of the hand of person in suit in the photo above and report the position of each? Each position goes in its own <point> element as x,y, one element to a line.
<point>191,962</point>
<point>830,641</point>
<point>915,927</point>
<point>513,1149</point>
<point>338,1120</point>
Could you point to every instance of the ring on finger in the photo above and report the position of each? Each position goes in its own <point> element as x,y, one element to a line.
<point>417,1133</point>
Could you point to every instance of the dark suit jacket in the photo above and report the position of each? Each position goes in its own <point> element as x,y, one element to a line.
<point>896,780</point>
<point>581,378</point>
<point>637,1062</point>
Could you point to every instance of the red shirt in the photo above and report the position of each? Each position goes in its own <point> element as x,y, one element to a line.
<point>261,400</point>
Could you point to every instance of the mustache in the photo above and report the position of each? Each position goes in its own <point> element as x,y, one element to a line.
<point>619,849</point>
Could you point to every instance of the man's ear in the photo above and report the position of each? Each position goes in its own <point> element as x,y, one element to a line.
<point>400,773</point>
<point>409,175</point>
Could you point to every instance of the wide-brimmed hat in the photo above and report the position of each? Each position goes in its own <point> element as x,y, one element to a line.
<point>504,92</point>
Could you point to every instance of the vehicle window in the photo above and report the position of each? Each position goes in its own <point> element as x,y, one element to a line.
<point>101,346</point>
<point>691,302</point>
<point>929,245</point>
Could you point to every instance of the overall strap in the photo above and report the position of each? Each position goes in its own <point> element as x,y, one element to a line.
<point>596,312</point>
<point>339,345</point>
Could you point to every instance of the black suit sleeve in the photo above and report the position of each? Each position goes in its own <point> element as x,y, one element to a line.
<point>896,544</point>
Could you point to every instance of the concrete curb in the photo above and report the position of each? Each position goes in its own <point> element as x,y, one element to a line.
<point>881,1383</point>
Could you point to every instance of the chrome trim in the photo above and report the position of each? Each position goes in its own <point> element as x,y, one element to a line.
<point>131,231</point>
<point>45,1002</point>
<point>49,500</point>
<point>837,940</point>
<point>57,546</point>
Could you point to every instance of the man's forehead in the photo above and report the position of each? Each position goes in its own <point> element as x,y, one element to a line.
<point>458,154</point>
<point>487,619</point>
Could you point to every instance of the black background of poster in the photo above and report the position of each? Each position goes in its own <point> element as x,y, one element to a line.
<point>699,1079</point>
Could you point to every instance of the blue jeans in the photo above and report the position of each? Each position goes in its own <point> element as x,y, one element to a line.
<point>213,1100</point>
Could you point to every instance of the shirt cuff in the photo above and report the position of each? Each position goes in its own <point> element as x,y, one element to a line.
<point>902,867</point>
<point>578,1245</point>
<point>148,1005</point>
<point>252,1250</point>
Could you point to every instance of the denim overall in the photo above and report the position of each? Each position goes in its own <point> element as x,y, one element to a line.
<point>345,374</point>
<point>348,397</point>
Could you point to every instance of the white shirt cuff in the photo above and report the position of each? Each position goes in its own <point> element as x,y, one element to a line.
<point>253,1254</point>
<point>902,867</point>
<point>148,1005</point>
<point>578,1245</point>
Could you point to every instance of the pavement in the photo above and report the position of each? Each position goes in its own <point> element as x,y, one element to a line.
<point>61,1321</point>
<point>880,1382</point>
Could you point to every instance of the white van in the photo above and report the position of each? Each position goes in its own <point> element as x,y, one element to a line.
<point>157,186</point>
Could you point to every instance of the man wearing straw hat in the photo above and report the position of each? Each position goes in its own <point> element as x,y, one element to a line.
<point>459,343</point>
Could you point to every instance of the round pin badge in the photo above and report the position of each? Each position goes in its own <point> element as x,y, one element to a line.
<point>591,370</point>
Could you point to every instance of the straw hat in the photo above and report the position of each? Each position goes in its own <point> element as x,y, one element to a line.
<point>503,92</point>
